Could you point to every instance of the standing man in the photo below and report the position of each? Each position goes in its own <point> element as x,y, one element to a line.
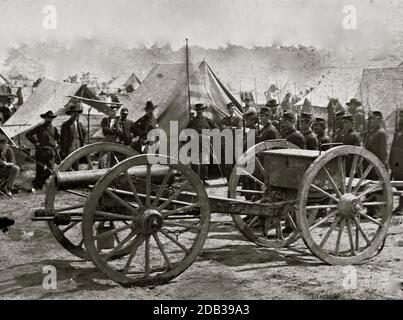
<point>72,135</point>
<point>376,140</point>
<point>110,125</point>
<point>396,158</point>
<point>275,117</point>
<point>338,131</point>
<point>269,131</point>
<point>355,109</point>
<point>125,128</point>
<point>45,138</point>
<point>351,137</point>
<point>310,138</point>
<point>8,168</point>
<point>232,121</point>
<point>198,123</point>
<point>319,127</point>
<point>142,127</point>
<point>291,134</point>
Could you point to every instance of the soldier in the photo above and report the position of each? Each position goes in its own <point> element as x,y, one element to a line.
<point>290,133</point>
<point>355,109</point>
<point>376,140</point>
<point>72,133</point>
<point>142,127</point>
<point>8,109</point>
<point>275,113</point>
<point>125,128</point>
<point>351,137</point>
<point>319,127</point>
<point>198,123</point>
<point>269,131</point>
<point>8,168</point>
<point>311,140</point>
<point>249,105</point>
<point>45,138</point>
<point>396,158</point>
<point>338,132</point>
<point>232,121</point>
<point>109,125</point>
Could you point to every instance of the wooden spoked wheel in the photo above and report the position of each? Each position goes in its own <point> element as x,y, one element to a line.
<point>247,182</point>
<point>168,216</point>
<point>72,201</point>
<point>350,189</point>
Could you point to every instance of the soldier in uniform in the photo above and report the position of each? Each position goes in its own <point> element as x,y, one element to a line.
<point>311,140</point>
<point>8,167</point>
<point>376,140</point>
<point>72,133</point>
<point>396,158</point>
<point>269,131</point>
<point>198,123</point>
<point>45,138</point>
<point>125,128</point>
<point>109,125</point>
<point>338,132</point>
<point>275,113</point>
<point>319,127</point>
<point>291,134</point>
<point>355,109</point>
<point>142,127</point>
<point>351,137</point>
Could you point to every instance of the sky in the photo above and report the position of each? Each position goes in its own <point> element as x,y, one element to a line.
<point>207,23</point>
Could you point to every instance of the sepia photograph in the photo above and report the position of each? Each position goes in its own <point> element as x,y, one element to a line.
<point>225,151</point>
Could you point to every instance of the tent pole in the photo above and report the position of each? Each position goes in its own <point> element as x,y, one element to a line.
<point>188,77</point>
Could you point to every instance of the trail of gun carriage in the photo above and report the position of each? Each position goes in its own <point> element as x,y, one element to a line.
<point>118,211</point>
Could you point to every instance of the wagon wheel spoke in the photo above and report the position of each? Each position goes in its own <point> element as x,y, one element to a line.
<point>115,158</point>
<point>114,231</point>
<point>173,196</point>
<point>316,188</point>
<point>341,229</point>
<point>120,245</point>
<point>80,244</point>
<point>352,172</point>
<point>372,189</point>
<point>122,202</point>
<point>252,221</point>
<point>260,166</point>
<point>147,257</point>
<point>183,225</point>
<point>162,187</point>
<point>333,183</point>
<point>79,194</point>
<point>323,220</point>
<point>133,251</point>
<point>374,204</point>
<point>163,252</point>
<point>370,219</point>
<point>80,206</point>
<point>350,237</point>
<point>148,185</point>
<point>361,230</point>
<point>329,232</point>
<point>71,225</point>
<point>112,215</point>
<point>180,245</point>
<point>253,177</point>
<point>341,166</point>
<point>362,178</point>
<point>133,188</point>
<point>183,209</point>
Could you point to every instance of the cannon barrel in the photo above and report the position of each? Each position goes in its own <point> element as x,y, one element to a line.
<point>84,178</point>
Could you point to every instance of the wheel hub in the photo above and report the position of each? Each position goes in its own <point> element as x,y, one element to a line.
<point>349,205</point>
<point>150,221</point>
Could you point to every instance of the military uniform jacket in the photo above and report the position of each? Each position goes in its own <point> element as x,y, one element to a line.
<point>68,134</point>
<point>124,130</point>
<point>46,135</point>
<point>107,129</point>
<point>144,125</point>
<point>339,135</point>
<point>376,142</point>
<point>201,122</point>
<point>323,139</point>
<point>396,156</point>
<point>295,137</point>
<point>232,122</point>
<point>352,138</point>
<point>269,132</point>
<point>310,140</point>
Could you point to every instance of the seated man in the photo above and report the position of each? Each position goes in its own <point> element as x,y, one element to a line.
<point>8,169</point>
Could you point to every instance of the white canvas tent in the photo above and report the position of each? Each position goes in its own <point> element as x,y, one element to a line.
<point>124,81</point>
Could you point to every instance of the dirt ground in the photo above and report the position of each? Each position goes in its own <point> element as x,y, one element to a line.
<point>230,267</point>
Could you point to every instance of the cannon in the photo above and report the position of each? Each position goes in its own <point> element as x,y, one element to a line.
<point>144,219</point>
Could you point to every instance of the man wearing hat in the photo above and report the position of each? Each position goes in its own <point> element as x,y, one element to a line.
<point>110,124</point>
<point>319,127</point>
<point>45,138</point>
<point>290,133</point>
<point>198,123</point>
<point>143,126</point>
<point>351,137</point>
<point>376,139</point>
<point>72,133</point>
<point>338,131</point>
<point>269,131</point>
<point>232,121</point>
<point>125,128</point>
<point>275,116</point>
<point>310,138</point>
<point>8,168</point>
<point>396,158</point>
<point>355,109</point>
